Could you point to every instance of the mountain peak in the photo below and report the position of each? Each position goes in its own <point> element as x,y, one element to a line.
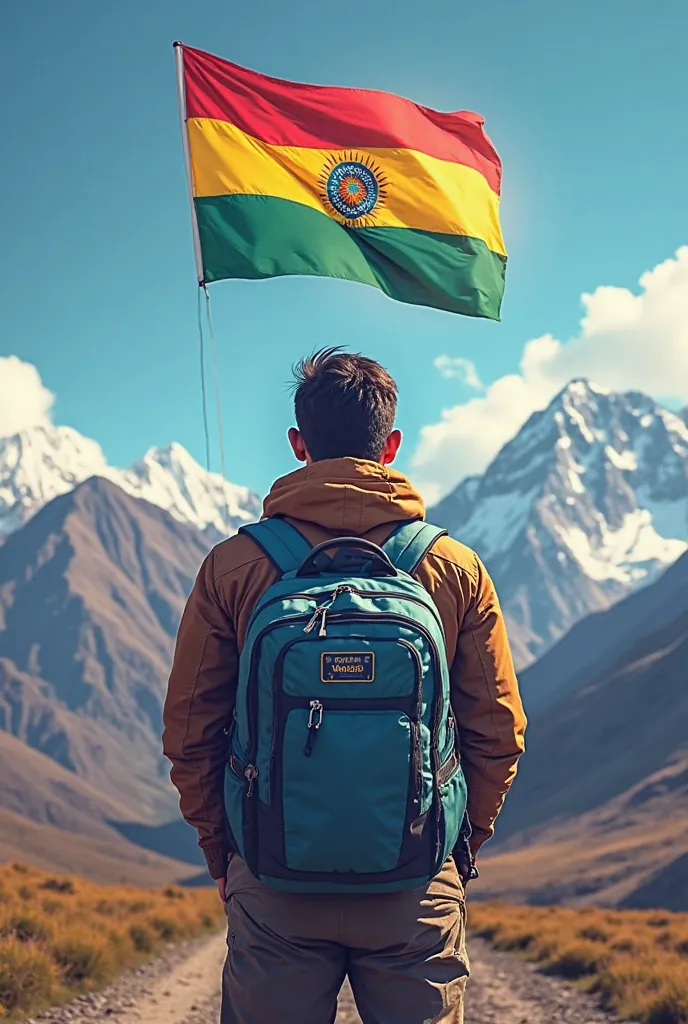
<point>171,478</point>
<point>172,453</point>
<point>43,462</point>
<point>588,501</point>
<point>582,387</point>
<point>37,465</point>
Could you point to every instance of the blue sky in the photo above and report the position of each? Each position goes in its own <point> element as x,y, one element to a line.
<point>585,103</point>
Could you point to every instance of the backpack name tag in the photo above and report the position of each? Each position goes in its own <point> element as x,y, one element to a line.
<point>347,668</point>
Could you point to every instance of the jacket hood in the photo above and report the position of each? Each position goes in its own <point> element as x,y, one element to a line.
<point>347,495</point>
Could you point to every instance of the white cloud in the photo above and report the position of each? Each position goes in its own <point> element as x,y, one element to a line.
<point>458,368</point>
<point>626,342</point>
<point>24,399</point>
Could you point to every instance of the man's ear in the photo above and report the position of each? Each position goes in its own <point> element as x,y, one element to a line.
<point>392,446</point>
<point>298,445</point>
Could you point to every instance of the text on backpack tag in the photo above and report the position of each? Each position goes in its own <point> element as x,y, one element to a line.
<point>347,668</point>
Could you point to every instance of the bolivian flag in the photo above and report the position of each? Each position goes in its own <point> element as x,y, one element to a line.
<point>347,183</point>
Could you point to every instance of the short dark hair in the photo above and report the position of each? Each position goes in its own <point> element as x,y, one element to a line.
<point>345,405</point>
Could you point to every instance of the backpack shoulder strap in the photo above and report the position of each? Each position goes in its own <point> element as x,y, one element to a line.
<point>280,542</point>
<point>408,545</point>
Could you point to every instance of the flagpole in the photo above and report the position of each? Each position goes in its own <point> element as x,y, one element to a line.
<point>181,93</point>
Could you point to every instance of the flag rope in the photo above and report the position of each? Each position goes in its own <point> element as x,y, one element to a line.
<point>204,397</point>
<point>218,402</point>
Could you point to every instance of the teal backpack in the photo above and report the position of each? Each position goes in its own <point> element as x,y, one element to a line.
<point>343,773</point>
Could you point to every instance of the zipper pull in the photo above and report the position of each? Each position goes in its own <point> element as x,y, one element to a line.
<point>313,621</point>
<point>250,774</point>
<point>326,607</point>
<point>322,610</point>
<point>315,718</point>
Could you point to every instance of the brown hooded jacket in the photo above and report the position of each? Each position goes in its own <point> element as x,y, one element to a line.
<point>327,499</point>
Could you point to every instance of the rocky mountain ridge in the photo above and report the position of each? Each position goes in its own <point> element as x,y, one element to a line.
<point>588,502</point>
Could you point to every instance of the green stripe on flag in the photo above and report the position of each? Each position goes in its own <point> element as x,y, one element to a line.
<point>261,236</point>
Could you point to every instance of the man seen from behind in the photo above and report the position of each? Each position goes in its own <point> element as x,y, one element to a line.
<point>341,769</point>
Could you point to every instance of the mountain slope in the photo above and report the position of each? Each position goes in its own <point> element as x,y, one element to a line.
<point>618,727</point>
<point>108,859</point>
<point>91,592</point>
<point>39,788</point>
<point>41,463</point>
<point>51,818</point>
<point>601,802</point>
<point>631,851</point>
<point>595,642</point>
<point>588,502</point>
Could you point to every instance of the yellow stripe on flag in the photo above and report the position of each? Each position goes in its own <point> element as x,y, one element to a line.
<point>418,191</point>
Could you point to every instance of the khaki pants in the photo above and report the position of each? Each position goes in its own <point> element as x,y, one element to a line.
<point>288,954</point>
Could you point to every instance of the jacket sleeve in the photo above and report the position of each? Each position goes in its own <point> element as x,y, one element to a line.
<point>488,708</point>
<point>198,710</point>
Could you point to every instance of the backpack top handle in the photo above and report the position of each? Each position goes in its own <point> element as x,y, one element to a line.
<point>373,561</point>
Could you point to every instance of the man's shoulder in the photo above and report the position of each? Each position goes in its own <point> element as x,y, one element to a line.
<point>462,558</point>
<point>237,552</point>
<point>234,554</point>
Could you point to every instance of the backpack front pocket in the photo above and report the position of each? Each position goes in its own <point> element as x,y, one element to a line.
<point>344,805</point>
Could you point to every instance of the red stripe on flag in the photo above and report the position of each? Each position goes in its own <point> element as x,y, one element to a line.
<point>327,117</point>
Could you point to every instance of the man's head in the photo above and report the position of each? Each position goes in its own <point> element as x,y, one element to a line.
<point>345,406</point>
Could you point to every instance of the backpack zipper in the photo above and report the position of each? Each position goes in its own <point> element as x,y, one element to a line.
<point>250,774</point>
<point>322,610</point>
<point>429,606</point>
<point>315,717</point>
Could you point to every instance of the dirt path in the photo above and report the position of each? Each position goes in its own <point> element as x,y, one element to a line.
<point>175,996</point>
<point>182,988</point>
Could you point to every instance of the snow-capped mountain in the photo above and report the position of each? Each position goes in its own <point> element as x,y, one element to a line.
<point>171,478</point>
<point>587,502</point>
<point>41,463</point>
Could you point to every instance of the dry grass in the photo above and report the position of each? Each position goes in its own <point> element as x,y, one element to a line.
<point>63,936</point>
<point>635,962</point>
